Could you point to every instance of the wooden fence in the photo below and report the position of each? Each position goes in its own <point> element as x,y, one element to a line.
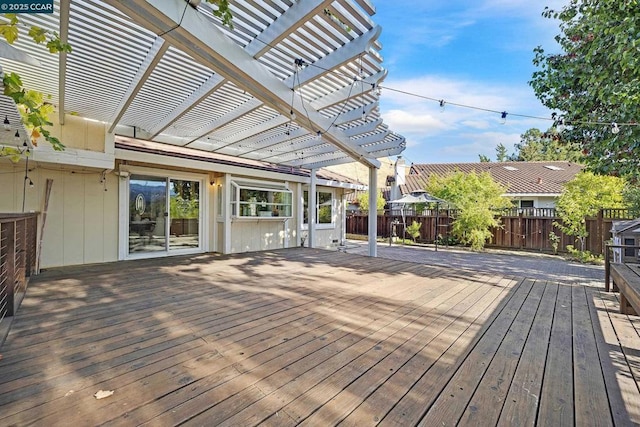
<point>18,234</point>
<point>521,228</point>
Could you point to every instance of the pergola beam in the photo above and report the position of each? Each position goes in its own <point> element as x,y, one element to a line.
<point>157,50</point>
<point>288,22</point>
<point>65,6</point>
<point>340,56</point>
<point>358,89</point>
<point>185,29</point>
<point>204,91</point>
<point>364,128</point>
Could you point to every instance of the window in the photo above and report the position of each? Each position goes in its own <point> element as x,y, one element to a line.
<point>526,203</point>
<point>260,202</point>
<point>324,207</point>
<point>629,252</point>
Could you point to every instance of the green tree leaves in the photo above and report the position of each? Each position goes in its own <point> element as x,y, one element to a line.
<point>584,196</point>
<point>363,201</point>
<point>476,196</point>
<point>595,81</point>
<point>33,108</point>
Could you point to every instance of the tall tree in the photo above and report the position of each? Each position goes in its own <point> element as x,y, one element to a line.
<point>538,146</point>
<point>475,196</point>
<point>363,201</point>
<point>595,81</point>
<point>584,196</point>
<point>501,153</point>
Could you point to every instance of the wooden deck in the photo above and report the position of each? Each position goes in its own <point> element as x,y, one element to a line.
<point>317,338</point>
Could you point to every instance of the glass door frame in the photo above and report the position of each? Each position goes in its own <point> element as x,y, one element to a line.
<point>125,174</point>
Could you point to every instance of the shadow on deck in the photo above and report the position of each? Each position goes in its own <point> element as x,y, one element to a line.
<point>304,336</point>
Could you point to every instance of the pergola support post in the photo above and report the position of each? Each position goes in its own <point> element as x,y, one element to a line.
<point>312,209</point>
<point>373,211</point>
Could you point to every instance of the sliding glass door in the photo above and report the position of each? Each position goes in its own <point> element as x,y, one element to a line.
<point>164,215</point>
<point>184,214</point>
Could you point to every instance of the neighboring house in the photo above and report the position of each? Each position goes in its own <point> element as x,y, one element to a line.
<point>529,184</point>
<point>626,232</point>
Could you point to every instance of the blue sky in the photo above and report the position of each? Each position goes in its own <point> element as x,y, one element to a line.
<point>476,53</point>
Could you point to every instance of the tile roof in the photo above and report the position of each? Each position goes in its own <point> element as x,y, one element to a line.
<point>519,177</point>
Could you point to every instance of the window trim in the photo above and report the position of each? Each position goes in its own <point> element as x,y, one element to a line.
<point>334,205</point>
<point>236,203</point>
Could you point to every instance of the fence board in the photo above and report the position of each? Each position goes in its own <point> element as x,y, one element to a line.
<point>521,228</point>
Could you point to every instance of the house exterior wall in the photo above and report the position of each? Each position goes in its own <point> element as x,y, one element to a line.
<point>538,201</point>
<point>87,216</point>
<point>82,218</point>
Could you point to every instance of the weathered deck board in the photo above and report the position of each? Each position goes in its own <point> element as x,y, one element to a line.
<point>314,337</point>
<point>623,392</point>
<point>521,403</point>
<point>556,398</point>
<point>589,388</point>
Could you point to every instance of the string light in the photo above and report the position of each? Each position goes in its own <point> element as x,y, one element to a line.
<point>614,128</point>
<point>560,127</point>
<point>503,117</point>
<point>7,123</point>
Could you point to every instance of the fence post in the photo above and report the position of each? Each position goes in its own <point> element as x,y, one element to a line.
<point>600,239</point>
<point>520,235</point>
<point>607,268</point>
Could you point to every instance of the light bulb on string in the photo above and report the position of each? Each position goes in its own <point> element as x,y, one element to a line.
<point>503,117</point>
<point>318,136</point>
<point>17,135</point>
<point>560,127</point>
<point>442,103</point>
<point>6,123</point>
<point>614,128</point>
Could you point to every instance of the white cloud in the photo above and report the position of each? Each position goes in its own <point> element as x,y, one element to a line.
<point>413,123</point>
<point>458,134</point>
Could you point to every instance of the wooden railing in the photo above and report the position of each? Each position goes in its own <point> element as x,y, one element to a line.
<point>18,235</point>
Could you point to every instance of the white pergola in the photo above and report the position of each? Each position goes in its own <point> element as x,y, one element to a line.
<point>295,82</point>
